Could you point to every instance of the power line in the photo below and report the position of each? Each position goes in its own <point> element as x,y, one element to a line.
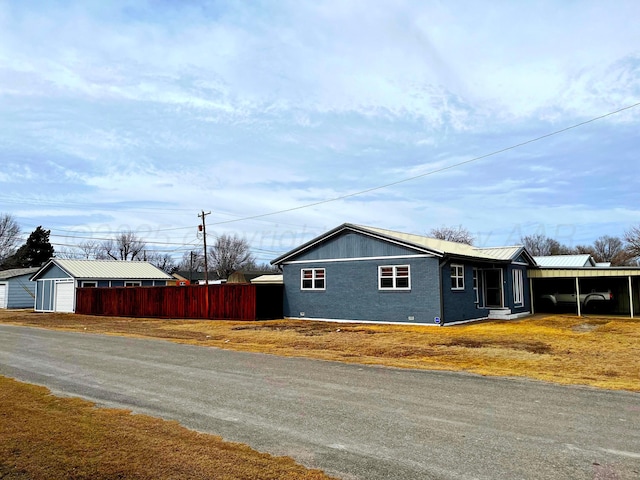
<point>432,172</point>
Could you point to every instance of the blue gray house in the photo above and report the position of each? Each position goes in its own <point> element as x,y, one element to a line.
<point>359,273</point>
<point>57,280</point>
<point>16,290</point>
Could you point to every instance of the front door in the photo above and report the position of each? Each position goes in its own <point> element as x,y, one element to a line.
<point>493,288</point>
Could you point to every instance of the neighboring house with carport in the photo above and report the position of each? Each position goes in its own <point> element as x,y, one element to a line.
<point>57,280</point>
<point>581,277</point>
<point>367,274</point>
<point>16,290</point>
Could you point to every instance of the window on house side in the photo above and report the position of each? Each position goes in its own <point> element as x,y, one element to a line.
<point>475,284</point>
<point>394,277</point>
<point>457,277</point>
<point>89,284</point>
<point>312,279</point>
<point>132,284</point>
<point>518,288</point>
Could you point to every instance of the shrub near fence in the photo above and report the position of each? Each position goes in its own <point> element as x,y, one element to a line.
<point>224,302</point>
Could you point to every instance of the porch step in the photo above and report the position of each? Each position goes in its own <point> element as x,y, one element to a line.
<point>500,314</point>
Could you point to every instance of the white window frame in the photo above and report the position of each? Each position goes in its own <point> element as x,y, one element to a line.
<point>89,284</point>
<point>397,272</point>
<point>458,276</point>
<point>315,277</point>
<point>476,274</point>
<point>518,287</point>
<point>132,283</point>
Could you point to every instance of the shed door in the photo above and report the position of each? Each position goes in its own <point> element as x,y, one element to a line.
<point>64,296</point>
<point>3,295</point>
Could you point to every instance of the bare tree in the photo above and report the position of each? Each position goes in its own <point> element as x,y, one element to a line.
<point>457,234</point>
<point>90,249</point>
<point>541,245</point>
<point>163,261</point>
<point>632,237</point>
<point>611,249</point>
<point>192,262</point>
<point>228,254</point>
<point>9,235</point>
<point>261,267</point>
<point>125,246</point>
<point>66,252</point>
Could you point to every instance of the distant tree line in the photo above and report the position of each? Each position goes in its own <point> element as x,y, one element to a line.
<point>228,253</point>
<point>615,250</point>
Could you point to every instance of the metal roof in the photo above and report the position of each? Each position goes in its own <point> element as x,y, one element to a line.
<point>16,272</point>
<point>268,279</point>
<point>584,272</point>
<point>452,248</point>
<point>427,244</point>
<point>108,269</point>
<point>566,261</point>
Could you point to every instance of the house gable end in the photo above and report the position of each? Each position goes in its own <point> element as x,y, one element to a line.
<point>350,244</point>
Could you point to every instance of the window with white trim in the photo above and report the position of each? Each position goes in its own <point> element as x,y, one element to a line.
<point>518,287</point>
<point>89,284</point>
<point>457,277</point>
<point>312,279</point>
<point>475,285</point>
<point>394,277</point>
<point>132,284</point>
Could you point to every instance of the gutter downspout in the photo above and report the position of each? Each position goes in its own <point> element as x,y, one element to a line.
<point>440,265</point>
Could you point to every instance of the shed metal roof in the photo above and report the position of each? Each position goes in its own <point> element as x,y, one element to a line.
<point>108,269</point>
<point>16,272</point>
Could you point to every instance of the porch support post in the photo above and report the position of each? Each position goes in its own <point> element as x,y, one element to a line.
<point>578,296</point>
<point>631,295</point>
<point>531,294</point>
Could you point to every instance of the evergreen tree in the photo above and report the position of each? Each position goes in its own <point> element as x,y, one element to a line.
<point>34,253</point>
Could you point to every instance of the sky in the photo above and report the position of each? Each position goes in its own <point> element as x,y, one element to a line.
<point>139,115</point>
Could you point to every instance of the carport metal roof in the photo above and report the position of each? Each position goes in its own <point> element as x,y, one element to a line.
<point>584,272</point>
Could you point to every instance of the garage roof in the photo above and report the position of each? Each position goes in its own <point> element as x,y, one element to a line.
<point>106,269</point>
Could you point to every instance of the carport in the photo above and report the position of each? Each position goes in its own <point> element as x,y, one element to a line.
<point>622,282</point>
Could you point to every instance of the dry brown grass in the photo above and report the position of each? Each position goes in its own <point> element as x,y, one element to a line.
<point>47,437</point>
<point>596,351</point>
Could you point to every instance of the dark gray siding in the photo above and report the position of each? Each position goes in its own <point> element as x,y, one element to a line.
<point>352,292</point>
<point>509,294</point>
<point>21,292</point>
<point>460,305</point>
<point>353,245</point>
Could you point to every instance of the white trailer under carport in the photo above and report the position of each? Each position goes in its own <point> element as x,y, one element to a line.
<point>628,274</point>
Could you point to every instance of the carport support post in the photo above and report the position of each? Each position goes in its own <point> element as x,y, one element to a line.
<point>578,296</point>
<point>631,295</point>
<point>531,294</point>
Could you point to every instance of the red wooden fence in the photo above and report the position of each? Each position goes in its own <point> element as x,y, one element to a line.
<point>222,302</point>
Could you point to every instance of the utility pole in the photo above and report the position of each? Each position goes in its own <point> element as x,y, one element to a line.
<point>203,229</point>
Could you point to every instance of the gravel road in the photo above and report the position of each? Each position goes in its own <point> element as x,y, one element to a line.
<point>354,422</point>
